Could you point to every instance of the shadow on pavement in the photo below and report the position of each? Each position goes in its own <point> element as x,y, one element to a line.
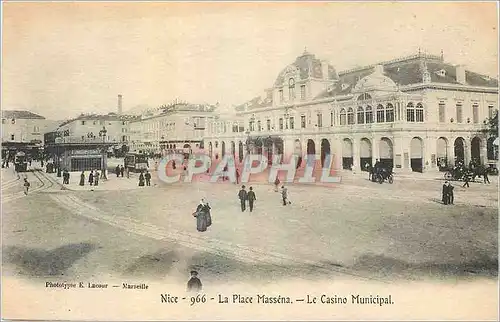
<point>484,266</point>
<point>153,265</point>
<point>37,262</point>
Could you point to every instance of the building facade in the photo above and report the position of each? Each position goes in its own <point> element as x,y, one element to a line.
<point>415,113</point>
<point>23,131</point>
<point>179,126</point>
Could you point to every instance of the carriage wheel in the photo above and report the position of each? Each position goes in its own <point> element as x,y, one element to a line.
<point>447,175</point>
<point>391,179</point>
<point>380,179</point>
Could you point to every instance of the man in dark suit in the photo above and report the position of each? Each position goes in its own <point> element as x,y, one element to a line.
<point>194,283</point>
<point>251,198</point>
<point>243,196</point>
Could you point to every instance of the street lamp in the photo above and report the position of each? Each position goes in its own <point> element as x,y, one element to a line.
<point>102,134</point>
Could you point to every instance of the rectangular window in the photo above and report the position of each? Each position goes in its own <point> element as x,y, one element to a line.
<point>442,112</point>
<point>475,113</point>
<point>459,113</point>
<point>259,127</point>
<point>292,121</point>
<point>302,92</point>
<point>320,120</point>
<point>281,95</point>
<point>331,118</point>
<point>490,112</point>
<point>302,121</point>
<point>281,123</point>
<point>268,124</point>
<point>291,91</point>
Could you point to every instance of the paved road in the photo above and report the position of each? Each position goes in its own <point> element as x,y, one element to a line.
<point>358,230</point>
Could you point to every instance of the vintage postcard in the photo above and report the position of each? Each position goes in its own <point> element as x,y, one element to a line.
<point>249,161</point>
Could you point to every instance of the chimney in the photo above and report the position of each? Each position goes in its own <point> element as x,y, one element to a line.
<point>120,104</point>
<point>460,72</point>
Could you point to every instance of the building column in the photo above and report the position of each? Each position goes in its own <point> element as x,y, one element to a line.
<point>355,153</point>
<point>484,151</point>
<point>467,148</point>
<point>375,149</point>
<point>336,150</point>
<point>398,154</point>
<point>430,157</point>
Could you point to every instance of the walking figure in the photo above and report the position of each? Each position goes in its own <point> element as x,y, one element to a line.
<point>147,176</point>
<point>466,179</point>
<point>141,180</point>
<point>445,193</point>
<point>243,196</point>
<point>237,176</point>
<point>91,177</point>
<point>251,198</point>
<point>117,170</point>
<point>450,194</point>
<point>96,178</point>
<point>82,179</point>
<point>122,170</point>
<point>284,196</point>
<point>26,186</point>
<point>201,217</point>
<point>194,283</point>
<point>206,208</point>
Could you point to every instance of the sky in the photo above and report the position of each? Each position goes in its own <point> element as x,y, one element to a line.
<point>63,59</point>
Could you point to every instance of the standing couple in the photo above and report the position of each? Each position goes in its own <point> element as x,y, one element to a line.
<point>203,216</point>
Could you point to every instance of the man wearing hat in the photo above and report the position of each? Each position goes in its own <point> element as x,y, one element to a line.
<point>194,283</point>
<point>243,196</point>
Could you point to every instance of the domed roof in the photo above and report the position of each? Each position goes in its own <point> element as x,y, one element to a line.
<point>376,81</point>
<point>305,66</point>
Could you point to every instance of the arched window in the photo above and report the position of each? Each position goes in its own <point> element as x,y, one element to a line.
<point>291,88</point>
<point>368,115</point>
<point>410,112</point>
<point>475,113</point>
<point>342,117</point>
<point>216,144</point>
<point>364,97</point>
<point>419,113</point>
<point>389,113</point>
<point>380,114</point>
<point>361,115</point>
<point>350,116</point>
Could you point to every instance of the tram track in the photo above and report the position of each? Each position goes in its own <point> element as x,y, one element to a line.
<point>244,254</point>
<point>44,184</point>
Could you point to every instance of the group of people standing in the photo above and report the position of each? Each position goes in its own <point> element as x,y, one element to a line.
<point>203,216</point>
<point>93,178</point>
<point>120,170</point>
<point>245,196</point>
<point>145,178</point>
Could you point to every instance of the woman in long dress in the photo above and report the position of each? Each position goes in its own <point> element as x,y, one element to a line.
<point>82,179</point>
<point>201,217</point>
<point>206,208</point>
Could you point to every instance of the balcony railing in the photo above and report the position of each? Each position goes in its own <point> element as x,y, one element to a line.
<point>72,139</point>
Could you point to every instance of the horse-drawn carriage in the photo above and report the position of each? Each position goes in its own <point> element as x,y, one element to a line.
<point>380,174</point>
<point>460,172</point>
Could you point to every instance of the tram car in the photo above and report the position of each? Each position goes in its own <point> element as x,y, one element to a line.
<point>21,162</point>
<point>136,162</point>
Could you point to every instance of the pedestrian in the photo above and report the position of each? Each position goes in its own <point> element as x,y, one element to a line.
<point>206,208</point>
<point>276,183</point>
<point>147,176</point>
<point>445,193</point>
<point>141,180</point>
<point>173,165</point>
<point>91,177</point>
<point>284,196</point>
<point>237,176</point>
<point>117,170</point>
<point>251,198</point>
<point>122,170</point>
<point>194,283</point>
<point>466,179</point>
<point>485,176</point>
<point>243,196</point>
<point>82,179</point>
<point>96,178</point>
<point>26,186</point>
<point>127,171</point>
<point>201,217</point>
<point>451,197</point>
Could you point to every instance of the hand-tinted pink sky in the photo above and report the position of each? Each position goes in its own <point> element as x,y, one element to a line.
<point>61,59</point>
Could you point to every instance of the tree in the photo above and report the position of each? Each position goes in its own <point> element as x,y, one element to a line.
<point>491,129</point>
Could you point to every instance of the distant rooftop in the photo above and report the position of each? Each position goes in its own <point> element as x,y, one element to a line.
<point>18,114</point>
